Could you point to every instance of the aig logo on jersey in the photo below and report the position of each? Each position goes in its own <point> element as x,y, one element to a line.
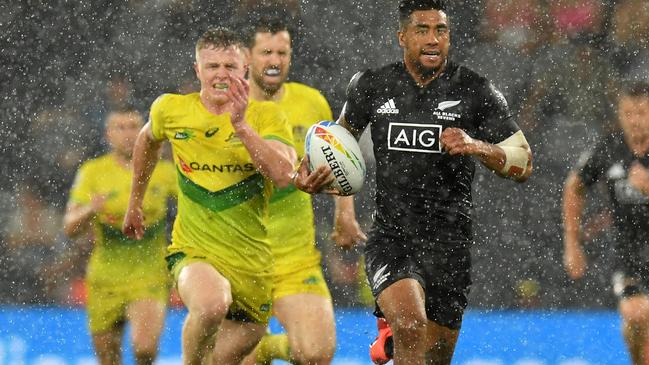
<point>414,137</point>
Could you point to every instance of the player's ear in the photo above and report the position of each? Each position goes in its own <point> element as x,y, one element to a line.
<point>196,69</point>
<point>401,38</point>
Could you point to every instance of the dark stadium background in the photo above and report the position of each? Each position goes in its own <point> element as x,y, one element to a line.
<point>65,63</point>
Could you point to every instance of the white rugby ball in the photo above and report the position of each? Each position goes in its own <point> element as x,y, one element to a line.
<point>328,143</point>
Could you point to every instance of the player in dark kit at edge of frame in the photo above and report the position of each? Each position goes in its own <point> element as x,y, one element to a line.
<point>621,160</point>
<point>431,120</point>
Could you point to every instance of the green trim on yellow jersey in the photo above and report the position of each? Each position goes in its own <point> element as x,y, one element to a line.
<point>229,197</point>
<point>279,194</point>
<point>280,139</point>
<point>113,234</point>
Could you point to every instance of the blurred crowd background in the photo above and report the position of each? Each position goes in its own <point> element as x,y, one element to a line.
<point>65,64</point>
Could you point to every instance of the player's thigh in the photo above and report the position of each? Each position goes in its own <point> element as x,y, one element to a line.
<point>308,319</point>
<point>635,309</point>
<point>235,339</point>
<point>146,317</point>
<point>403,301</point>
<point>203,289</point>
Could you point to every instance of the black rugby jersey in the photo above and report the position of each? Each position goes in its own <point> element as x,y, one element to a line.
<point>422,191</point>
<point>610,161</point>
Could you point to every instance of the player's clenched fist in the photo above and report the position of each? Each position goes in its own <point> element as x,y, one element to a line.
<point>455,141</point>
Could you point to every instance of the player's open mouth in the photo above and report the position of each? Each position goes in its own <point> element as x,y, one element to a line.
<point>430,54</point>
<point>271,72</point>
<point>220,86</point>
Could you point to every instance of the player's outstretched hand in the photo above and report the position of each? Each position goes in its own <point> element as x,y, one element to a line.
<point>455,141</point>
<point>133,226</point>
<point>313,182</point>
<point>574,260</point>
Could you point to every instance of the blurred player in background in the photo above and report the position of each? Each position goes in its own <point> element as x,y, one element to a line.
<point>127,280</point>
<point>227,151</point>
<point>432,120</point>
<point>621,160</point>
<point>301,300</point>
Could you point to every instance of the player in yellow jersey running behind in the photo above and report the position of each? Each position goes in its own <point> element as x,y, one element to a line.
<point>301,300</point>
<point>127,280</point>
<point>226,149</point>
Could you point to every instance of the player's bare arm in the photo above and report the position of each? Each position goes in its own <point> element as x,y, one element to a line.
<point>511,158</point>
<point>574,259</point>
<point>347,232</point>
<point>273,159</point>
<point>145,157</point>
<point>78,216</point>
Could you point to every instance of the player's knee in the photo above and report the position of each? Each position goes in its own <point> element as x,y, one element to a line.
<point>441,353</point>
<point>212,313</point>
<point>146,345</point>
<point>411,329</point>
<point>312,355</point>
<point>145,354</point>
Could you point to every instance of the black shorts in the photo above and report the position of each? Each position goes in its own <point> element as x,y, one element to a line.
<point>443,271</point>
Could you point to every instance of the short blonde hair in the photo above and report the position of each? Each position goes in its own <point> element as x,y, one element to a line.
<point>219,37</point>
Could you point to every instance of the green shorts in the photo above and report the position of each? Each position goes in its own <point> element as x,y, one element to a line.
<point>251,292</point>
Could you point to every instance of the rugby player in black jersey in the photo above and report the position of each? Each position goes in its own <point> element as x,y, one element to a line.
<point>621,160</point>
<point>431,119</point>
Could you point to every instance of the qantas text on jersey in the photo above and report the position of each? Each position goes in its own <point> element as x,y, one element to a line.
<point>422,138</point>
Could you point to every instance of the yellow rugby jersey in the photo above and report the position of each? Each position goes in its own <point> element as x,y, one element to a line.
<point>116,259</point>
<point>291,226</point>
<point>223,200</point>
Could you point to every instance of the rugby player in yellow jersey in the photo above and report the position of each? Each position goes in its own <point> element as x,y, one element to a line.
<point>127,280</point>
<point>225,149</point>
<point>301,299</point>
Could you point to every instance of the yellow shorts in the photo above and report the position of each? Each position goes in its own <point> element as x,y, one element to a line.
<point>251,292</point>
<point>304,280</point>
<point>107,306</point>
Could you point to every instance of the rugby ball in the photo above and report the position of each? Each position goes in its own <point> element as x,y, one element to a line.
<point>328,143</point>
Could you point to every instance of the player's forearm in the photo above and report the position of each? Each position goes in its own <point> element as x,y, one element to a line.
<point>273,160</point>
<point>344,207</point>
<point>511,158</point>
<point>495,158</point>
<point>491,156</point>
<point>76,219</point>
<point>145,157</point>
<point>573,205</point>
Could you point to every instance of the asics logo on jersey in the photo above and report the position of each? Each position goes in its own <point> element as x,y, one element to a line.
<point>380,277</point>
<point>388,108</point>
<point>448,104</point>
<point>210,132</point>
<point>232,138</point>
<point>423,138</point>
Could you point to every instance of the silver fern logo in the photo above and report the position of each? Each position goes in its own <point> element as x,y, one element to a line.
<point>448,104</point>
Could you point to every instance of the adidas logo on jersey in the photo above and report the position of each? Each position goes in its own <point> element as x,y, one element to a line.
<point>388,108</point>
